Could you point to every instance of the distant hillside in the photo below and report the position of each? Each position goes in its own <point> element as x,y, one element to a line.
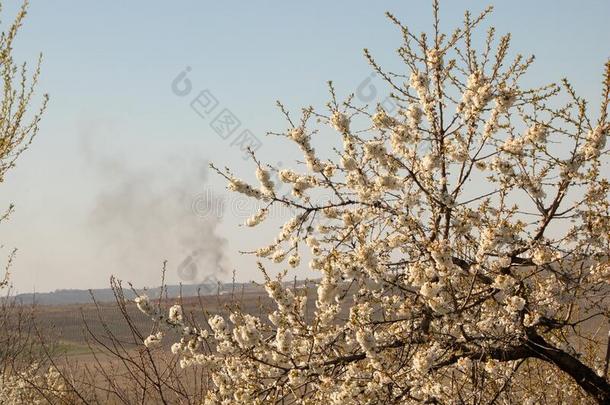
<point>62,297</point>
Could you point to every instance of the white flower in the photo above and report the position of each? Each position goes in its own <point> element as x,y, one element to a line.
<point>434,58</point>
<point>258,217</point>
<point>340,122</point>
<point>283,338</point>
<point>430,289</point>
<point>175,313</point>
<point>542,255</point>
<point>264,178</point>
<point>382,120</point>
<point>242,187</point>
<point>515,304</point>
<point>464,364</point>
<point>505,100</point>
<point>536,134</point>
<point>365,339</point>
<point>503,282</point>
<point>296,377</point>
<point>153,340</point>
<point>430,161</point>
<point>414,116</point>
<point>594,142</point>
<point>176,348</point>
<point>288,176</point>
<point>514,146</point>
<point>217,323</point>
<point>504,261</point>
<point>294,260</point>
<point>476,96</point>
<point>424,359</point>
<point>297,134</point>
<point>278,256</point>
<point>143,304</point>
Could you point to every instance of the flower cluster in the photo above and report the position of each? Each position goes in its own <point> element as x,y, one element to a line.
<point>33,385</point>
<point>452,242</point>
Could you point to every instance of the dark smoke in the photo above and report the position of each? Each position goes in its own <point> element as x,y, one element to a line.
<point>144,215</point>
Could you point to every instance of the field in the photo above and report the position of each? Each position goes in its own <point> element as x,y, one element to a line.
<point>98,347</point>
<point>74,325</point>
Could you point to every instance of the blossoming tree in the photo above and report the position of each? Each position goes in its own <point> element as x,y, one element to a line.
<point>17,129</point>
<point>20,368</point>
<point>462,245</point>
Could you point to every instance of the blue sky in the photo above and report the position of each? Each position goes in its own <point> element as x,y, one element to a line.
<point>114,128</point>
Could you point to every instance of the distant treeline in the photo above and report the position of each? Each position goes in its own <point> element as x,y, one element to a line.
<point>61,297</point>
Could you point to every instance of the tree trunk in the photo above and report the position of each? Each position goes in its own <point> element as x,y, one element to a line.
<point>585,377</point>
